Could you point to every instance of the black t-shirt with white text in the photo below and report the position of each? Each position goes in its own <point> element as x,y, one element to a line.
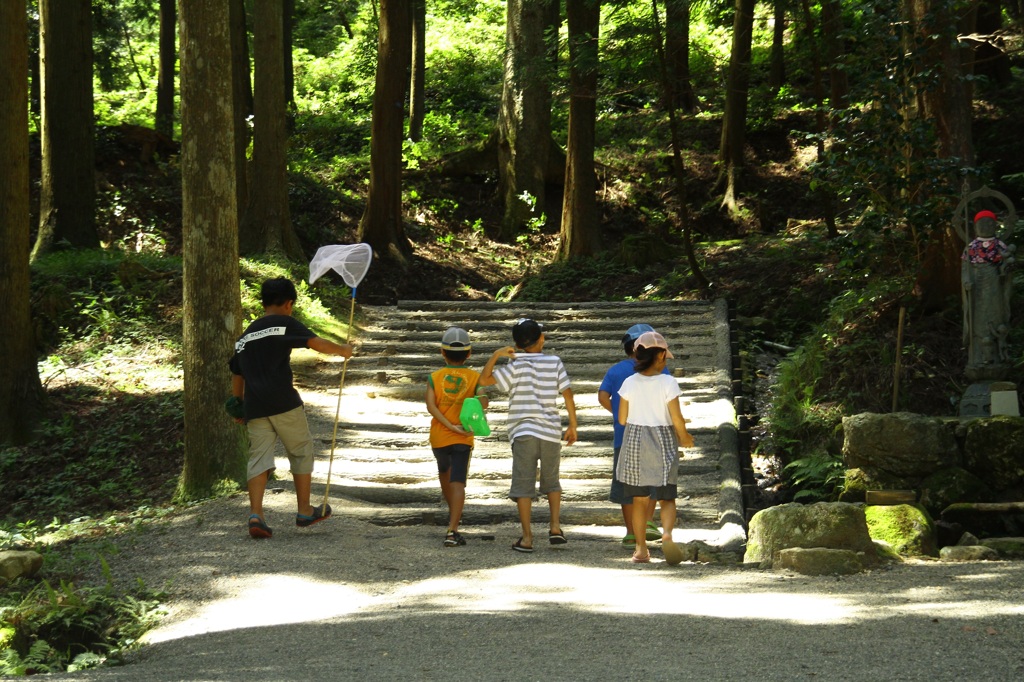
<point>263,358</point>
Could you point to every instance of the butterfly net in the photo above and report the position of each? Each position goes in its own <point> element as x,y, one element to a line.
<point>351,261</point>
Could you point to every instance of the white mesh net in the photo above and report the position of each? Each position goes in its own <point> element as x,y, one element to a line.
<point>351,261</point>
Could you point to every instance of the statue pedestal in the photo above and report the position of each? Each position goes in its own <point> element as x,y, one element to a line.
<point>989,399</point>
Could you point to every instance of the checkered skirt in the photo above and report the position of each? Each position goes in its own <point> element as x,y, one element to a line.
<point>649,456</point>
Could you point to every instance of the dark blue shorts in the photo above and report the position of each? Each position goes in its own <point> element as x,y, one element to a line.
<point>661,492</point>
<point>453,458</point>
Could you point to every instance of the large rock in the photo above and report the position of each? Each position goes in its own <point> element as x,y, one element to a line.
<point>19,564</point>
<point>1008,548</point>
<point>994,451</point>
<point>952,485</point>
<point>832,525</point>
<point>901,445</point>
<point>820,561</point>
<point>968,553</point>
<point>857,482</point>
<point>904,527</point>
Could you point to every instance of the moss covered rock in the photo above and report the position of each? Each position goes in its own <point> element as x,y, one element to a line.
<point>994,451</point>
<point>971,553</point>
<point>886,553</point>
<point>832,525</point>
<point>901,445</point>
<point>952,485</point>
<point>856,483</point>
<point>906,528</point>
<point>1008,548</point>
<point>820,561</point>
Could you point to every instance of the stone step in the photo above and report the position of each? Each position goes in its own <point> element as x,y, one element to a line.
<point>383,470</point>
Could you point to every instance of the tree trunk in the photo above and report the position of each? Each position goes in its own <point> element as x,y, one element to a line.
<point>677,152</point>
<point>524,120</point>
<point>165,70</point>
<point>267,226</point>
<point>416,83</point>
<point>777,58</point>
<point>580,228</point>
<point>947,105</point>
<point>214,444</point>
<point>35,91</point>
<point>824,196</point>
<point>242,90</point>
<point>67,201</point>
<point>21,395</point>
<point>677,49</point>
<point>991,58</point>
<point>831,35</point>
<point>289,65</point>
<point>734,120</point>
<point>381,224</point>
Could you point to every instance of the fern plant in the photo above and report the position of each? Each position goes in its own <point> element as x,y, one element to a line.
<point>815,477</point>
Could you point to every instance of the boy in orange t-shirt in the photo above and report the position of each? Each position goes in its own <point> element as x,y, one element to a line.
<point>447,388</point>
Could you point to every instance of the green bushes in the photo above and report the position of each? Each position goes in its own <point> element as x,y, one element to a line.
<point>52,629</point>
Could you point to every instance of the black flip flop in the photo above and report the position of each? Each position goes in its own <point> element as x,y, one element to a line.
<point>520,547</point>
<point>557,538</point>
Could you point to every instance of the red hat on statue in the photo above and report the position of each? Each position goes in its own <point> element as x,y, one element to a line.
<point>985,214</point>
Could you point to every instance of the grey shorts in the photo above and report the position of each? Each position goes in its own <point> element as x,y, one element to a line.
<point>293,430</point>
<point>527,452</point>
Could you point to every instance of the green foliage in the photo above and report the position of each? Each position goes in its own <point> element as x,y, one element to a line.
<point>97,296</point>
<point>51,629</point>
<point>881,154</point>
<point>575,279</point>
<point>105,471</point>
<point>815,478</point>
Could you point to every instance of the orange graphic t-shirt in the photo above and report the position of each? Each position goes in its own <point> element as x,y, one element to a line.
<point>451,386</point>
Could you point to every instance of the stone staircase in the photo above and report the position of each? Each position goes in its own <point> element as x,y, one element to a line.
<point>384,471</point>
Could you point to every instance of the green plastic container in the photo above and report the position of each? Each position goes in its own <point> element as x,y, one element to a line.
<point>473,419</point>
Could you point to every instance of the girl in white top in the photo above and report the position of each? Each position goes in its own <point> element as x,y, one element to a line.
<point>655,429</point>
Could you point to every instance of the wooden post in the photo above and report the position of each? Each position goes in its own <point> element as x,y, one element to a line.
<point>899,354</point>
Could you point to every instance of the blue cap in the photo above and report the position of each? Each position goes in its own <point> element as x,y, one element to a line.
<point>636,330</point>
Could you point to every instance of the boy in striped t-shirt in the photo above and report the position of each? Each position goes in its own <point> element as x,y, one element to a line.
<point>533,381</point>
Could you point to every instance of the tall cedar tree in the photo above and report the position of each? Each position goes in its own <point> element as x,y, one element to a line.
<point>165,71</point>
<point>677,49</point>
<point>947,104</point>
<point>381,224</point>
<point>267,225</point>
<point>214,444</point>
<point>417,96</point>
<point>734,120</point>
<point>242,90</point>
<point>67,198</point>
<point>21,395</point>
<point>580,229</point>
<point>524,120</point>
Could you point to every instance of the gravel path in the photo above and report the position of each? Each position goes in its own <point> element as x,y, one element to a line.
<point>346,599</point>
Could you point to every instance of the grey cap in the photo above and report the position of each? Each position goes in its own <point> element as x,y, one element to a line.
<point>456,338</point>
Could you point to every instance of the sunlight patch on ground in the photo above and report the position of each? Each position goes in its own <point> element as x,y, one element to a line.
<point>642,591</point>
<point>260,606</point>
<point>959,609</point>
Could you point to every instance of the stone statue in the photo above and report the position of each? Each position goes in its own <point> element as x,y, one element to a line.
<point>986,288</point>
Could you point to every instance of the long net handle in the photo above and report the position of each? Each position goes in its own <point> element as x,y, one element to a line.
<point>337,409</point>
